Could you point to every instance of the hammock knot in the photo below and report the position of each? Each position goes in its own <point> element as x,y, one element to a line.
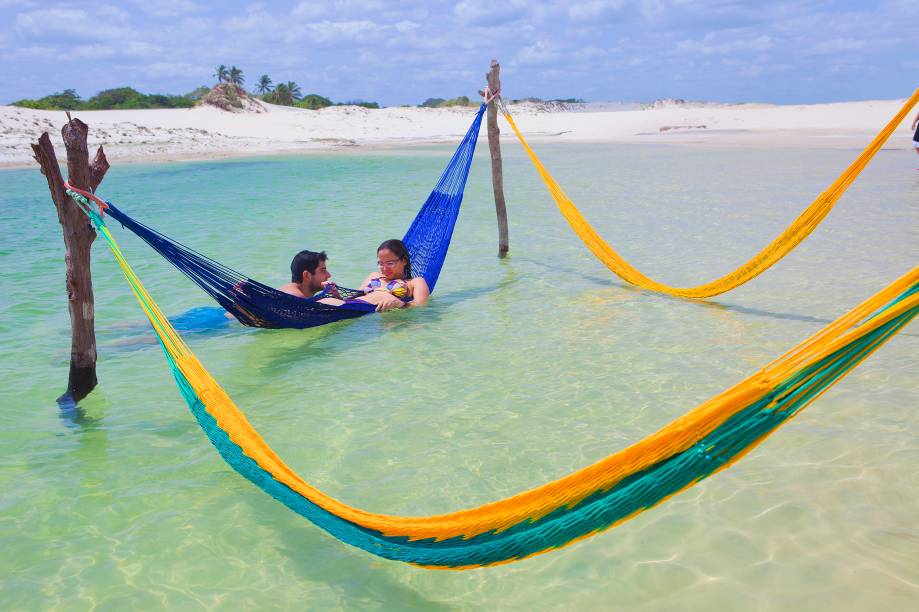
<point>83,198</point>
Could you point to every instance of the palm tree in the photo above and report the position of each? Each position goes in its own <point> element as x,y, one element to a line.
<point>221,73</point>
<point>282,95</point>
<point>235,76</point>
<point>264,84</point>
<point>294,90</point>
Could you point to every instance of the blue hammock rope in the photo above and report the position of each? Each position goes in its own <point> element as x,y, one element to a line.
<point>258,305</point>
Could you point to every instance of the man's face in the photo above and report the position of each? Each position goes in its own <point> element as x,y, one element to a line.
<point>314,281</point>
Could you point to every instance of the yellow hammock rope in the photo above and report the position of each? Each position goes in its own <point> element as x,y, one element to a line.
<point>704,441</point>
<point>535,503</point>
<point>793,235</point>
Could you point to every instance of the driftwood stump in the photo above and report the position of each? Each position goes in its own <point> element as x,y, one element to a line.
<point>78,239</point>
<point>494,147</point>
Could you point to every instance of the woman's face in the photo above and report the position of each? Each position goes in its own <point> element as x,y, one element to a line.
<point>391,266</point>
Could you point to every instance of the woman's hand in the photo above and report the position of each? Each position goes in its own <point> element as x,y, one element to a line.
<point>387,301</point>
<point>382,300</point>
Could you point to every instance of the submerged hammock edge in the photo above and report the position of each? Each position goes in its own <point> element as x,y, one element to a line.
<point>700,443</point>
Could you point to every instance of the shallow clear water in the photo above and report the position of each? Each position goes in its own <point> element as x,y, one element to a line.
<point>519,371</point>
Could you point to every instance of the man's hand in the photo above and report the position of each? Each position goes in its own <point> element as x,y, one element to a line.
<point>332,288</point>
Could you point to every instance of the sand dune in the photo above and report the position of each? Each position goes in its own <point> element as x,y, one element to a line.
<point>207,132</point>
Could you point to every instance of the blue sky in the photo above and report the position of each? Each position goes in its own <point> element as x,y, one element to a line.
<point>403,52</point>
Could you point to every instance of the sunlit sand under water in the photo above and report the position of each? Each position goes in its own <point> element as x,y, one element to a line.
<point>519,372</point>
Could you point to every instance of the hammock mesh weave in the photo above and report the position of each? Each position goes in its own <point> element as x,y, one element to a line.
<point>793,235</point>
<point>258,305</point>
<point>706,439</point>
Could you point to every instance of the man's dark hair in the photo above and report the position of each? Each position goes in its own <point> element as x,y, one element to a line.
<point>305,261</point>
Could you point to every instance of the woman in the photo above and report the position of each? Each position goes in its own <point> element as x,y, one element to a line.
<point>393,286</point>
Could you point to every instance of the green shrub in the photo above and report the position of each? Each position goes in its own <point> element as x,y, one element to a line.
<point>63,100</point>
<point>314,102</point>
<point>442,103</point>
<point>360,103</point>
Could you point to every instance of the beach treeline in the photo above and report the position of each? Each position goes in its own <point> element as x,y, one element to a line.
<point>285,94</point>
<point>228,92</point>
<point>119,98</point>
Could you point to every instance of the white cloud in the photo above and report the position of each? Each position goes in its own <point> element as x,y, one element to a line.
<point>69,24</point>
<point>484,13</point>
<point>713,44</point>
<point>257,20</point>
<point>760,70</point>
<point>310,10</point>
<point>541,52</point>
<point>166,8</point>
<point>113,13</point>
<point>326,32</point>
<point>40,21</point>
<point>94,51</point>
<point>595,10</point>
<point>194,25</point>
<point>406,27</point>
<point>637,49</point>
<point>35,52</point>
<point>837,45</point>
<point>141,48</point>
<point>175,69</point>
<point>358,7</point>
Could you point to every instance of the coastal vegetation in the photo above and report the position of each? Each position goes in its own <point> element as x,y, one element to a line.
<point>442,103</point>
<point>290,94</point>
<point>229,93</point>
<point>118,98</point>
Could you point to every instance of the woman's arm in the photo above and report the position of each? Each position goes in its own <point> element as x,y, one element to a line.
<point>420,291</point>
<point>367,280</point>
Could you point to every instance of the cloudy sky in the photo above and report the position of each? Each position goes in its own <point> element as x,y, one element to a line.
<point>403,52</point>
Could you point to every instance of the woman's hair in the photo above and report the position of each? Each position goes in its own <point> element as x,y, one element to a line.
<point>398,248</point>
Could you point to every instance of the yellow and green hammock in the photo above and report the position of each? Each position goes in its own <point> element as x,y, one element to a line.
<point>705,440</point>
<point>793,235</point>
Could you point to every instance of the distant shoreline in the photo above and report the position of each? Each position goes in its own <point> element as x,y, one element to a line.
<point>202,133</point>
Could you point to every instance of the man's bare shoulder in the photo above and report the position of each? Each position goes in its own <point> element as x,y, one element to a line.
<point>292,289</point>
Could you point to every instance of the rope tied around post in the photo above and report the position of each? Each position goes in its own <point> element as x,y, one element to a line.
<point>86,196</point>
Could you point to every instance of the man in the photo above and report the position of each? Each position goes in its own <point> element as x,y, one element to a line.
<point>308,274</point>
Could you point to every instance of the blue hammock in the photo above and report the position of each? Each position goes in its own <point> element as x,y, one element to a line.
<point>259,305</point>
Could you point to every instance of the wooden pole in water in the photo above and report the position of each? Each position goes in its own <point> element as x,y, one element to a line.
<point>78,238</point>
<point>494,146</point>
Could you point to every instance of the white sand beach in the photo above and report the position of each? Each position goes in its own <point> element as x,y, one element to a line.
<point>208,132</point>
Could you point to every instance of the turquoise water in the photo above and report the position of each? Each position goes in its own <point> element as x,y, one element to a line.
<point>518,372</point>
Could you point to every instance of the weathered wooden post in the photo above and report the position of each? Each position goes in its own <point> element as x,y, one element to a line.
<point>78,238</point>
<point>494,146</point>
